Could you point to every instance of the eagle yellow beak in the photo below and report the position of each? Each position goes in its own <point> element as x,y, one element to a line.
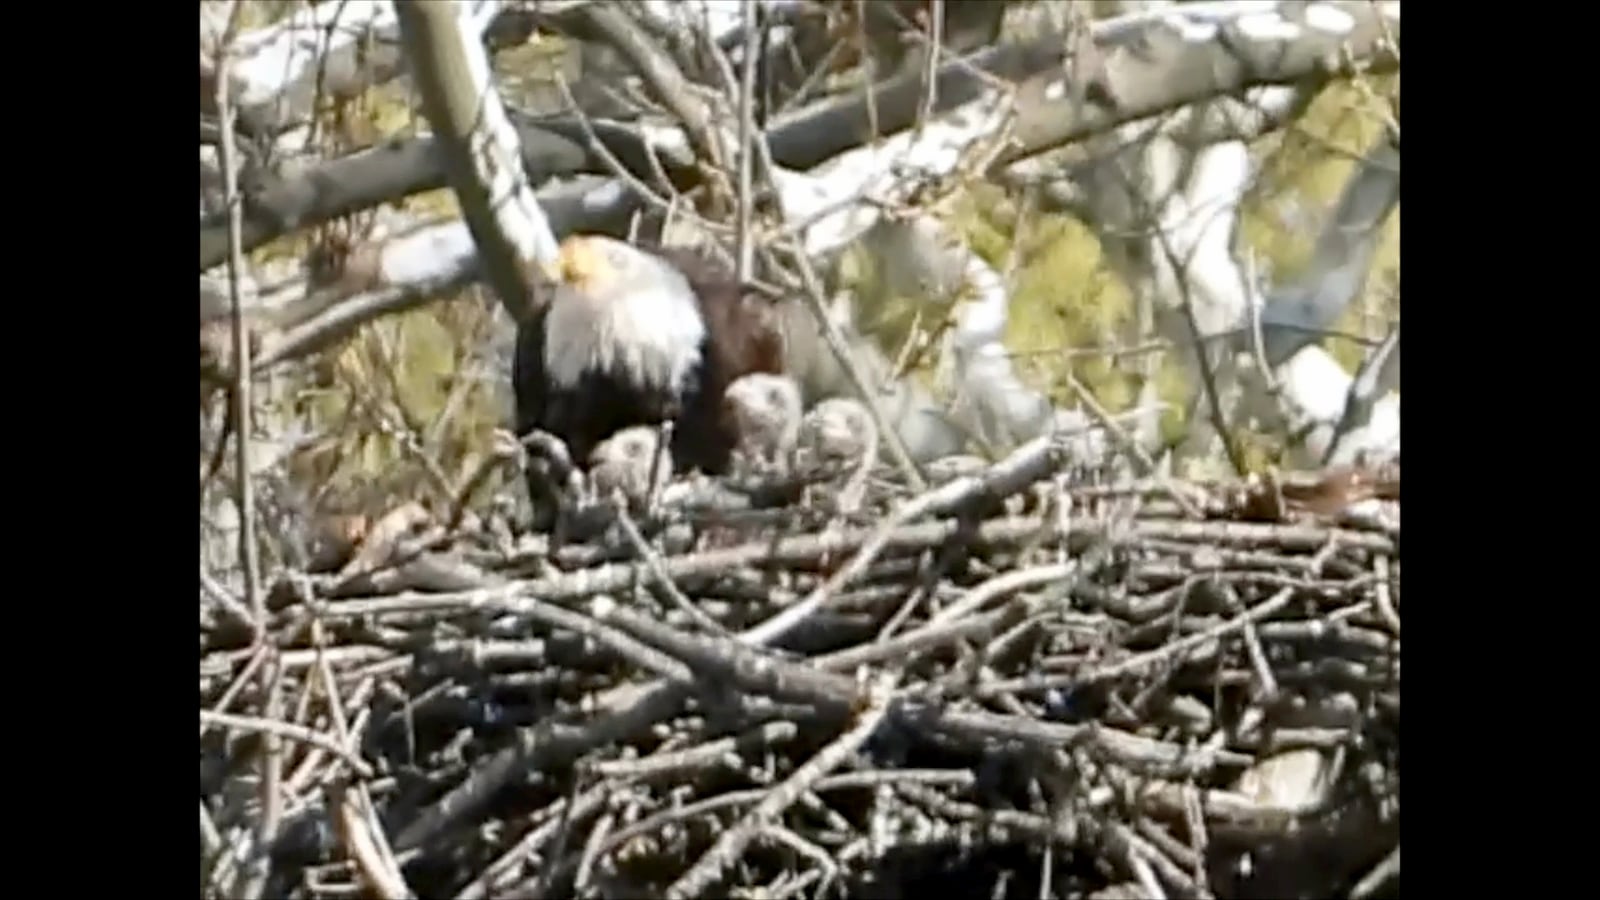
<point>579,262</point>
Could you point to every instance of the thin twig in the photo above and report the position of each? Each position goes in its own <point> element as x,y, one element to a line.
<point>930,70</point>
<point>272,753</point>
<point>747,135</point>
<point>1385,870</point>
<point>663,579</point>
<point>1176,648</point>
<point>817,304</point>
<point>1129,445</point>
<point>292,732</point>
<point>708,869</point>
<point>243,425</point>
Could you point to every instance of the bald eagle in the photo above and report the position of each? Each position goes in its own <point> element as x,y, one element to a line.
<point>635,337</point>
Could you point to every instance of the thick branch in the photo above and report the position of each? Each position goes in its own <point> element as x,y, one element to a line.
<point>362,180</point>
<point>479,148</point>
<point>1171,66</point>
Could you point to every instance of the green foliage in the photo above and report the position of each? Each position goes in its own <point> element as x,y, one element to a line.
<point>1306,167</point>
<point>1068,311</point>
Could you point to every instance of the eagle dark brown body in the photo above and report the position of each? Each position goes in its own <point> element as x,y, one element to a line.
<point>740,336</point>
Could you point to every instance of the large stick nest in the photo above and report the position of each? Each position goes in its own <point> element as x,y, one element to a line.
<point>1027,682</point>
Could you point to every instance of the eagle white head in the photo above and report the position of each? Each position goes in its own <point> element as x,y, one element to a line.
<point>625,460</point>
<point>765,410</point>
<point>620,310</point>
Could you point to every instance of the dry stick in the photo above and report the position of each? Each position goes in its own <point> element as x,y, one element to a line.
<point>383,872</point>
<point>733,663</point>
<point>930,72</point>
<point>1199,838</point>
<point>955,778</point>
<point>223,875</point>
<point>1203,345</point>
<point>660,74</point>
<point>1384,601</point>
<point>726,851</point>
<point>1381,873</point>
<point>1252,644</point>
<point>271,750</point>
<point>1258,342</point>
<point>210,837</point>
<point>241,343</point>
<point>1131,446</point>
<point>1029,462</point>
<point>1126,748</point>
<point>615,165</point>
<point>564,823</point>
<point>382,878</point>
<point>591,851</point>
<point>975,628</point>
<point>1139,661</point>
<point>868,67</point>
<point>555,817</point>
<point>223,599</point>
<point>501,453</point>
<point>816,303</point>
<point>658,764</point>
<point>272,756</point>
<point>257,657</point>
<point>825,865</point>
<point>999,586</point>
<point>1163,840</point>
<point>286,730</point>
<point>711,753</point>
<point>625,711</point>
<point>747,93</point>
<point>595,628</point>
<point>663,578</point>
<point>1139,856</point>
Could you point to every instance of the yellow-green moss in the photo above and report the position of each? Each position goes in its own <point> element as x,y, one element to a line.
<point>1305,167</point>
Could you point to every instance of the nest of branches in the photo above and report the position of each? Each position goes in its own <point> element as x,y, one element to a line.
<point>1030,680</point>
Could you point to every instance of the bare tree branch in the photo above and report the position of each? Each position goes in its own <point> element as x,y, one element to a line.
<point>243,425</point>
<point>1183,58</point>
<point>508,227</point>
